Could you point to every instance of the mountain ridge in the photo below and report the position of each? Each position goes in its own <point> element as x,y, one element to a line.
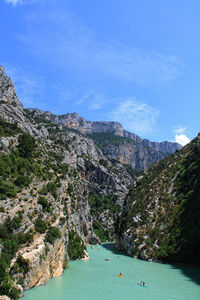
<point>134,151</point>
<point>73,121</point>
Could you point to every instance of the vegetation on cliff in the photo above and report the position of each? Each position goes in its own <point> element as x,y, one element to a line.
<point>162,213</point>
<point>76,248</point>
<point>103,139</point>
<point>47,173</point>
<point>11,241</point>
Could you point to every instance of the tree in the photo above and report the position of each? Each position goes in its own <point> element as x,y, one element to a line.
<point>27,145</point>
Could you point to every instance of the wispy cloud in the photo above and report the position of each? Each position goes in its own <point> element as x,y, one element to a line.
<point>61,38</point>
<point>13,2</point>
<point>135,116</point>
<point>92,99</point>
<point>180,137</point>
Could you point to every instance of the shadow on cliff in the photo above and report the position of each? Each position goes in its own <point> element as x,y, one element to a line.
<point>193,273</point>
<point>112,248</point>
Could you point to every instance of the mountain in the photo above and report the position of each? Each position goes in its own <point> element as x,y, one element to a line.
<point>57,193</point>
<point>115,142</point>
<point>161,217</point>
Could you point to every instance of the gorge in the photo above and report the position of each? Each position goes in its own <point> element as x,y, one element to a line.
<point>66,182</point>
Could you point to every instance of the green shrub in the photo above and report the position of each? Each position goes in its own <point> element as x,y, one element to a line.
<point>2,209</point>
<point>100,231</point>
<point>70,189</point>
<point>7,190</point>
<point>76,246</point>
<point>22,181</point>
<point>52,235</point>
<point>99,204</point>
<point>8,129</point>
<point>45,204</point>
<point>8,288</point>
<point>52,188</point>
<point>40,225</point>
<point>23,264</point>
<point>27,145</point>
<point>62,221</point>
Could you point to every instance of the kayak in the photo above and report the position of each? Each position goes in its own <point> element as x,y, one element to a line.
<point>141,284</point>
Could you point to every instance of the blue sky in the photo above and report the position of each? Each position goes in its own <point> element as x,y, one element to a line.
<point>132,61</point>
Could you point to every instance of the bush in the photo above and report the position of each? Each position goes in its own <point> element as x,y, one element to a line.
<point>27,145</point>
<point>70,189</point>
<point>8,129</point>
<point>52,188</point>
<point>100,231</point>
<point>62,221</point>
<point>23,264</point>
<point>52,235</point>
<point>7,190</point>
<point>8,288</point>
<point>45,204</point>
<point>40,225</point>
<point>99,204</point>
<point>76,246</point>
<point>22,181</point>
<point>2,209</point>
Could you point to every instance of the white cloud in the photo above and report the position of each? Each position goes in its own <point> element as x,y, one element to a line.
<point>180,137</point>
<point>56,35</point>
<point>13,2</point>
<point>135,116</point>
<point>179,129</point>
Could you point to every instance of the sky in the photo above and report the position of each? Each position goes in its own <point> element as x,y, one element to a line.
<point>136,62</point>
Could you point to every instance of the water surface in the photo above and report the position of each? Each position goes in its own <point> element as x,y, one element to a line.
<point>98,279</point>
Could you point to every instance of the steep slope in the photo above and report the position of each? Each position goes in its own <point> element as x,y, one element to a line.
<point>115,142</point>
<point>139,154</point>
<point>161,219</point>
<point>51,180</point>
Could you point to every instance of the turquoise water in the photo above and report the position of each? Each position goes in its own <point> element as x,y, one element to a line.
<point>97,279</point>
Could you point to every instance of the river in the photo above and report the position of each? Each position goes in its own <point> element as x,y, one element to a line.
<point>98,278</point>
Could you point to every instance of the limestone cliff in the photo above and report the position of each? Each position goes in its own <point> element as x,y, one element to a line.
<point>130,149</point>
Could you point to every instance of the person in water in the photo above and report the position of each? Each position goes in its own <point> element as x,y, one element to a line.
<point>142,283</point>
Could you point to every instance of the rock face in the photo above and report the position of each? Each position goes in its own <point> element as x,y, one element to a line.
<point>161,215</point>
<point>11,108</point>
<point>4,297</point>
<point>73,121</point>
<point>43,266</point>
<point>132,150</point>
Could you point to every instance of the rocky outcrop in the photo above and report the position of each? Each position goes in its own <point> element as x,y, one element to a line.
<point>73,121</point>
<point>43,264</point>
<point>12,110</point>
<point>134,154</point>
